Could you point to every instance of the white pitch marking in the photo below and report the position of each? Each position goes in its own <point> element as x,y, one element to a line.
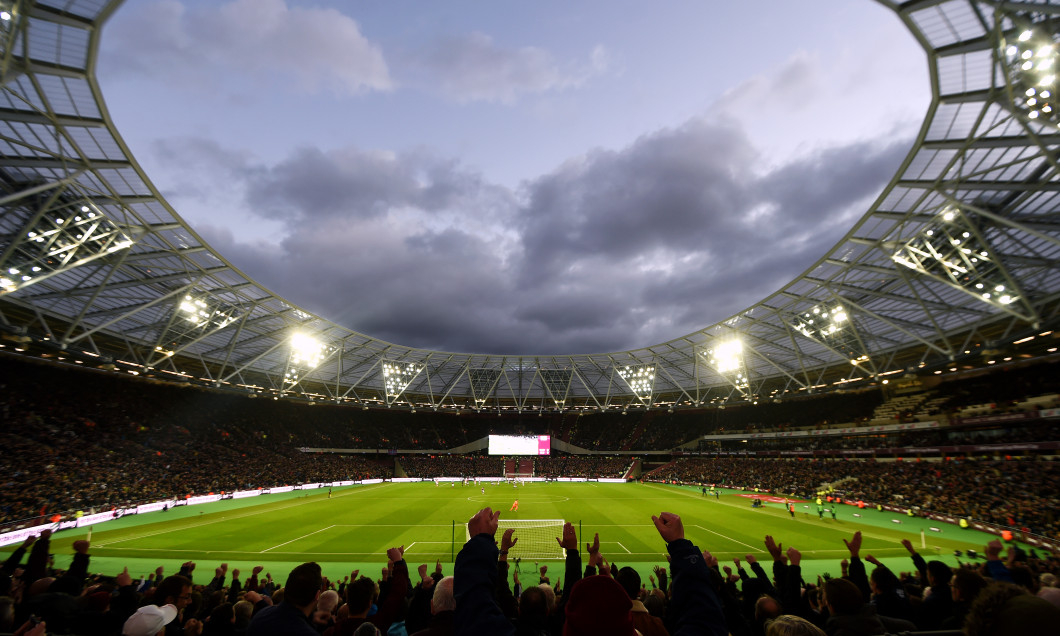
<point>624,547</point>
<point>297,538</point>
<point>226,518</point>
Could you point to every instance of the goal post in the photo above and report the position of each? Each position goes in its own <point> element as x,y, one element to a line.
<point>536,538</point>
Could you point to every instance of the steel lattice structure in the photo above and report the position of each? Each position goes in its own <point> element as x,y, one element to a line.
<point>960,249</point>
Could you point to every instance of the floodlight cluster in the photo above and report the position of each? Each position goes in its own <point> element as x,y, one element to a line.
<point>641,379</point>
<point>204,314</point>
<point>62,238</point>
<point>398,375</point>
<point>821,323</point>
<point>306,353</point>
<point>953,250</point>
<point>1031,59</point>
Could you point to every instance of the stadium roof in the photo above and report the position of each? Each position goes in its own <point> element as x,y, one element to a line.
<point>959,252</point>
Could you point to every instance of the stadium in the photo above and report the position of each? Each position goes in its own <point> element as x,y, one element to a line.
<point>895,402</point>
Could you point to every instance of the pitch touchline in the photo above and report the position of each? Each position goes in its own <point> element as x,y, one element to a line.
<point>250,514</point>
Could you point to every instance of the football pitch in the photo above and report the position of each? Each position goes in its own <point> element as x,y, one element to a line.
<point>353,528</point>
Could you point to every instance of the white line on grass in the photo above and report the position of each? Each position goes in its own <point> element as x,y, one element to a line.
<point>623,547</point>
<point>233,518</point>
<point>724,536</point>
<point>410,545</point>
<point>828,526</point>
<point>297,538</point>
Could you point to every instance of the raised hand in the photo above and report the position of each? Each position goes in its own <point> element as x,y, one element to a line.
<point>570,538</point>
<point>710,559</point>
<point>81,546</point>
<point>909,546</point>
<point>438,566</point>
<point>423,571</point>
<point>484,522</point>
<point>776,550</point>
<point>395,554</point>
<point>669,526</point>
<point>854,545</point>
<point>124,578</point>
<point>594,547</point>
<point>750,558</point>
<point>508,540</point>
<point>257,570</point>
<point>794,556</point>
<point>235,575</point>
<point>873,560</point>
<point>354,575</point>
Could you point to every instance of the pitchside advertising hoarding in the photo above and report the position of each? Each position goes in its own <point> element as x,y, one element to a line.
<point>520,445</point>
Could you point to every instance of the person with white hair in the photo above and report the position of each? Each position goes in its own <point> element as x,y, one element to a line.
<point>443,608</point>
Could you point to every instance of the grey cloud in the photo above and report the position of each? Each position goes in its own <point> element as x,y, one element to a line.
<point>613,250</point>
<point>311,49</point>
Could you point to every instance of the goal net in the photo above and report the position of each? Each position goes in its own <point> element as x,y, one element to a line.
<point>536,538</point>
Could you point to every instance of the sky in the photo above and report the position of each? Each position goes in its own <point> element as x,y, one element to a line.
<point>517,178</point>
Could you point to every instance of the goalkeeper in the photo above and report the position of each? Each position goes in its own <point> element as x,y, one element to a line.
<point>515,506</point>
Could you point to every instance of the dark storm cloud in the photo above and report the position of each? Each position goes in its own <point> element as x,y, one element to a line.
<point>613,250</point>
<point>313,184</point>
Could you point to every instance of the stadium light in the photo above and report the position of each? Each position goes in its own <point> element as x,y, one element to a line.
<point>953,250</point>
<point>65,233</point>
<point>307,352</point>
<point>1029,53</point>
<point>727,359</point>
<point>397,376</point>
<point>194,316</point>
<point>640,379</point>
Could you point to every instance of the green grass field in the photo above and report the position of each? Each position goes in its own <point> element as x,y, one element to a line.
<point>353,529</point>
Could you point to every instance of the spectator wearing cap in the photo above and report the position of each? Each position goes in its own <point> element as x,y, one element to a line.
<point>149,620</point>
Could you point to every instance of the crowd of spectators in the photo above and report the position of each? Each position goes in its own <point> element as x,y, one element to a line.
<point>428,467</point>
<point>692,593</point>
<point>110,440</point>
<point>1017,493</point>
<point>581,466</point>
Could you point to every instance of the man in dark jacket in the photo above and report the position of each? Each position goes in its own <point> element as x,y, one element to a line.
<point>291,617</point>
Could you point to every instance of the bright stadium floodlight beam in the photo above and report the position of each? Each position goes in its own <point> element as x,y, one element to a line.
<point>306,351</point>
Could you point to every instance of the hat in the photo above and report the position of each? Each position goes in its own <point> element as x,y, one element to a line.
<point>149,620</point>
<point>598,605</point>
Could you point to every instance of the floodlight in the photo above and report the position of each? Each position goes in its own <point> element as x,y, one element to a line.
<point>639,378</point>
<point>398,375</point>
<point>305,350</point>
<point>1029,62</point>
<point>59,240</point>
<point>953,250</point>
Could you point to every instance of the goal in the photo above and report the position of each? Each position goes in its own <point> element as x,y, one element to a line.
<point>536,538</point>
